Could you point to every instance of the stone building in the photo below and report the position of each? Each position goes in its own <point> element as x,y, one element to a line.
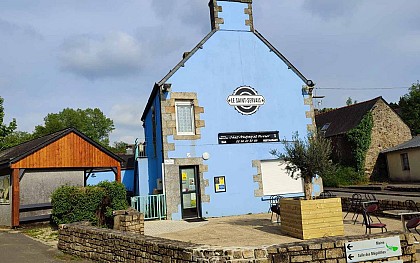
<point>388,131</point>
<point>402,161</point>
<point>211,122</point>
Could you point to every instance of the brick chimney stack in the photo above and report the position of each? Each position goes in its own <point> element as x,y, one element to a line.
<point>233,15</point>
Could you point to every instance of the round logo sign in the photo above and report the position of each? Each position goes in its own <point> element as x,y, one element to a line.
<point>245,100</point>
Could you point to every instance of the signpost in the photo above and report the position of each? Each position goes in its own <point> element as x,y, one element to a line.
<point>373,249</point>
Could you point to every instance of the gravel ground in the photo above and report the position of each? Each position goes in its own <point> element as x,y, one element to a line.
<point>243,231</point>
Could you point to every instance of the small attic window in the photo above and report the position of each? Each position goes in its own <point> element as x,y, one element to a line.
<point>325,127</point>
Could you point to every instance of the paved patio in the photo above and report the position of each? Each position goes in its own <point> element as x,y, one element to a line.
<point>243,231</point>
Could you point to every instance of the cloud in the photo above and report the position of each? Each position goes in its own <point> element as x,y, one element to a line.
<point>114,55</point>
<point>25,30</point>
<point>328,9</point>
<point>126,115</point>
<point>184,12</point>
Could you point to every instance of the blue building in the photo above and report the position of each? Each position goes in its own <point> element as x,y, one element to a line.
<point>211,122</point>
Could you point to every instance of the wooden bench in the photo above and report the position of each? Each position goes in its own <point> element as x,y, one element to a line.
<point>35,207</point>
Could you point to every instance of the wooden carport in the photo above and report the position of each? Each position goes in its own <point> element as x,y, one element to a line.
<point>66,149</point>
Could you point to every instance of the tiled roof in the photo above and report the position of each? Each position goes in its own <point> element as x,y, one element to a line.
<point>341,120</point>
<point>128,161</point>
<point>20,151</point>
<point>413,143</point>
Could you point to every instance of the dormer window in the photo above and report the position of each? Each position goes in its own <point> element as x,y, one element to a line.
<point>325,127</point>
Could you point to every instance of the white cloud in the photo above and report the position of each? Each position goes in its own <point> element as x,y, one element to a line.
<point>11,28</point>
<point>126,114</point>
<point>328,9</point>
<point>114,55</point>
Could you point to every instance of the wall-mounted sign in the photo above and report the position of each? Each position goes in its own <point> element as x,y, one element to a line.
<point>248,137</point>
<point>246,100</point>
<point>373,249</point>
<point>4,188</point>
<point>219,184</point>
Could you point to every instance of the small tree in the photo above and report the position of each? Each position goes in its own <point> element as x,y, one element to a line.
<point>310,157</point>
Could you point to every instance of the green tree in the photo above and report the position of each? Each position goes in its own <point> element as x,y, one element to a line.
<point>119,147</point>
<point>410,108</point>
<point>5,130</point>
<point>92,122</point>
<point>307,158</point>
<point>15,138</point>
<point>350,101</point>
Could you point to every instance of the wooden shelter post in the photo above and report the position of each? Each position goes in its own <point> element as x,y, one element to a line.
<point>118,174</point>
<point>15,197</point>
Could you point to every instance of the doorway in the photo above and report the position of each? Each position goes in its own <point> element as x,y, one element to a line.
<point>190,192</point>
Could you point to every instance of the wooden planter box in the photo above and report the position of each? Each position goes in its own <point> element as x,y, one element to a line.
<point>306,219</point>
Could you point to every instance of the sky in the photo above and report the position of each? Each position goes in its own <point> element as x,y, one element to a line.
<point>108,54</point>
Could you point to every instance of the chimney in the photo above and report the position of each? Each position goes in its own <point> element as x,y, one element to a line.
<point>231,15</point>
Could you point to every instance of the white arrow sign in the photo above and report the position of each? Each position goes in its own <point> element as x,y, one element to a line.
<point>373,249</point>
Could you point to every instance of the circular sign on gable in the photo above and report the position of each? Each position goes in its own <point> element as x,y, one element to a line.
<point>246,100</point>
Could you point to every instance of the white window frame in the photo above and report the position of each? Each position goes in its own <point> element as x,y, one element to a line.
<point>185,103</point>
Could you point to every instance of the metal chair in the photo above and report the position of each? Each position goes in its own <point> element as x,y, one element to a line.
<point>411,205</point>
<point>368,222</point>
<point>275,206</point>
<point>355,206</point>
<point>370,197</point>
<point>413,223</point>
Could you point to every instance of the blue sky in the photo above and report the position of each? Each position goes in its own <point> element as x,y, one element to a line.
<point>108,54</point>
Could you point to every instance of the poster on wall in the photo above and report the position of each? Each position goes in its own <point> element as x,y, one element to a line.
<point>4,188</point>
<point>219,184</point>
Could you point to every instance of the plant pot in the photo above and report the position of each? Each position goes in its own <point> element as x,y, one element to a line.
<point>306,219</point>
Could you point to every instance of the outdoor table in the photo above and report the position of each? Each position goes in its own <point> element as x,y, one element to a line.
<point>402,213</point>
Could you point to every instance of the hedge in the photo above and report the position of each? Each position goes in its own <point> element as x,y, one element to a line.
<point>91,203</point>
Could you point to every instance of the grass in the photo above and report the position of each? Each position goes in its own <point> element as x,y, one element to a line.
<point>45,233</point>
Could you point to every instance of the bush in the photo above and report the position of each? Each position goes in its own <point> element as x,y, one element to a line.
<point>92,203</point>
<point>343,176</point>
<point>116,199</point>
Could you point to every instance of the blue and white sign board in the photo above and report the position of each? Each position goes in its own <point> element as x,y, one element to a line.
<point>373,249</point>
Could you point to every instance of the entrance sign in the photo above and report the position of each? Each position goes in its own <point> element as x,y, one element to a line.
<point>373,249</point>
<point>245,100</point>
<point>248,137</point>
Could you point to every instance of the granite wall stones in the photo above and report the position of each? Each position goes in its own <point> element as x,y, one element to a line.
<point>106,245</point>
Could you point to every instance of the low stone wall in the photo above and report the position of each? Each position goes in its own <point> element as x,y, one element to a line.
<point>129,220</point>
<point>106,245</point>
<point>384,204</point>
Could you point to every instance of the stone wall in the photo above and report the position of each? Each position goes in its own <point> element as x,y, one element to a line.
<point>129,221</point>
<point>388,130</point>
<point>384,204</point>
<point>108,245</point>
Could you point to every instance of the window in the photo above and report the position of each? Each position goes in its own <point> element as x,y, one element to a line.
<point>184,118</point>
<point>404,162</point>
<point>4,189</point>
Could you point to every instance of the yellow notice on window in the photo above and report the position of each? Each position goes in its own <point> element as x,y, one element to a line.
<point>184,176</point>
<point>221,180</point>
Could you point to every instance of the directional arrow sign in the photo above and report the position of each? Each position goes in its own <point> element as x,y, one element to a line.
<point>373,249</point>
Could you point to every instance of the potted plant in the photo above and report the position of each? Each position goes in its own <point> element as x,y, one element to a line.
<point>309,218</point>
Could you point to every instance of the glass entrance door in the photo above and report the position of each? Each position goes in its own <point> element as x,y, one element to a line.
<point>190,192</point>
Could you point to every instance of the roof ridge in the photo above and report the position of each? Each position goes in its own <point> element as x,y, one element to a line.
<point>349,106</point>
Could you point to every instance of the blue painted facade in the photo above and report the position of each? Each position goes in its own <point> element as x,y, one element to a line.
<point>231,56</point>
<point>127,178</point>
